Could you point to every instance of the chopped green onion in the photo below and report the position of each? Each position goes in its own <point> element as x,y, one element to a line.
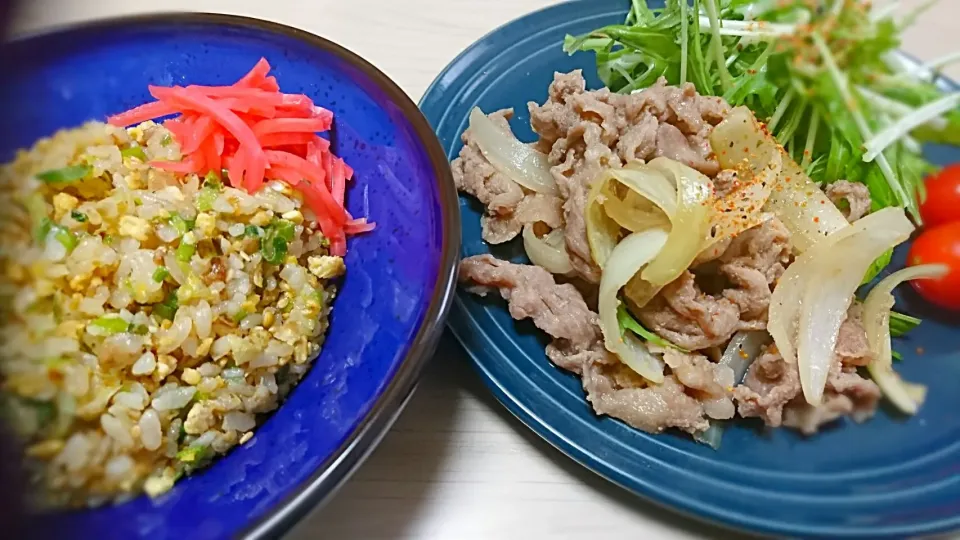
<point>65,175</point>
<point>160,274</point>
<point>285,229</point>
<point>166,140</point>
<point>212,179</point>
<point>240,315</point>
<point>79,217</point>
<point>140,329</point>
<point>168,308</point>
<point>134,152</point>
<point>193,454</point>
<point>205,199</point>
<point>43,229</point>
<point>185,251</point>
<point>253,231</point>
<point>274,249</point>
<point>319,295</point>
<point>209,192</point>
<point>896,356</point>
<point>181,225</point>
<point>111,324</point>
<point>66,238</point>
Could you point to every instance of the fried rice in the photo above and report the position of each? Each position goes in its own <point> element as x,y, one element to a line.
<point>149,319</point>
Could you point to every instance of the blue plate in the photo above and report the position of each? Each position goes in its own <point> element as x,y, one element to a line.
<point>892,476</point>
<point>388,316</point>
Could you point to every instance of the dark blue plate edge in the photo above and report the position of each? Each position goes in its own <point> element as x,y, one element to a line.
<point>461,326</point>
<point>333,472</point>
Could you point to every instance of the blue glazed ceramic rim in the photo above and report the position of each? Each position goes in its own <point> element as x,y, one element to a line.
<point>480,347</point>
<point>333,472</point>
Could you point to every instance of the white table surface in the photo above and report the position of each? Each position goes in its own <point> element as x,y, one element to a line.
<point>456,465</point>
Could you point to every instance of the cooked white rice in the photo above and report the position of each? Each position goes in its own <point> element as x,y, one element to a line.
<point>116,388</point>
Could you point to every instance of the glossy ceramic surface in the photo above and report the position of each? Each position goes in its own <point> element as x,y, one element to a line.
<point>890,477</point>
<point>390,310</point>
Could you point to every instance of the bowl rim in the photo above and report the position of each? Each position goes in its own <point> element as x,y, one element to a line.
<point>311,493</point>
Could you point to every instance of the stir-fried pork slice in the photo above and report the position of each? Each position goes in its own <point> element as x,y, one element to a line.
<point>532,293</point>
<point>751,263</point>
<point>771,389</point>
<point>651,409</point>
<point>682,314</point>
<point>856,196</point>
<point>611,387</point>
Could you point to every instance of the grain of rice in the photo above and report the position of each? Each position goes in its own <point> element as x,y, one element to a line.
<point>238,421</point>
<point>145,364</point>
<point>115,428</point>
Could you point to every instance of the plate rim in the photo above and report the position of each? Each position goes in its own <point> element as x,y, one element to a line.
<point>311,493</point>
<point>462,325</point>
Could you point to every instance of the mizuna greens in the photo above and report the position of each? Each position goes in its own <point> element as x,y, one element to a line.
<point>825,76</point>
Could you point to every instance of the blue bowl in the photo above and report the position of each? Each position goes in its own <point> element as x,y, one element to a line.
<point>392,303</point>
<point>889,477</point>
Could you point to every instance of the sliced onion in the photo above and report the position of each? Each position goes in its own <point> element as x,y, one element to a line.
<point>603,232</point>
<point>654,183</point>
<point>712,436</point>
<point>742,351</point>
<point>803,207</point>
<point>689,224</point>
<point>741,145</point>
<point>518,161</point>
<point>548,252</point>
<point>648,196</point>
<point>626,260</point>
<point>634,213</point>
<point>785,302</point>
<point>811,299</point>
<point>796,200</point>
<point>651,196</point>
<point>876,321</point>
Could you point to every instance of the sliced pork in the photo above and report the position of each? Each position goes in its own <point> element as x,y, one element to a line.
<point>694,389</point>
<point>852,195</point>
<point>771,389</point>
<point>749,266</point>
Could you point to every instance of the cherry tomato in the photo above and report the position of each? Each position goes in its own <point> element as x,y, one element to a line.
<point>939,245</point>
<point>942,204</point>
